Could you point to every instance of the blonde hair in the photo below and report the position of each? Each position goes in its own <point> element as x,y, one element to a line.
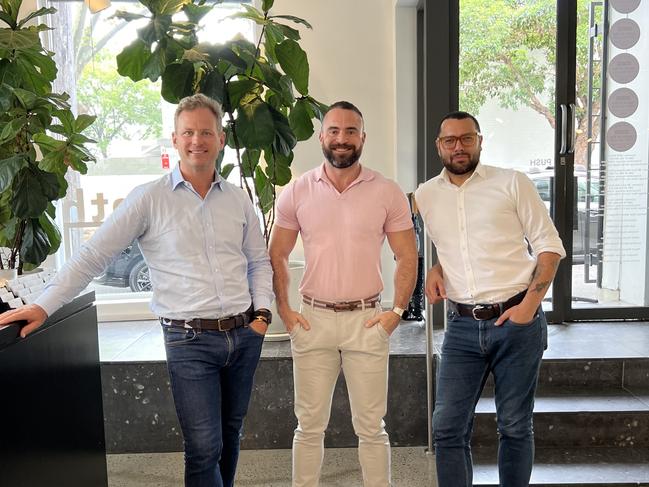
<point>199,100</point>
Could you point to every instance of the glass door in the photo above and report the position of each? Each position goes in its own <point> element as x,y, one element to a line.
<point>507,79</point>
<point>611,152</point>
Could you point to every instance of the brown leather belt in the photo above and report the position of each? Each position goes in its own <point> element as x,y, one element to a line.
<point>482,312</point>
<point>342,305</point>
<point>220,324</point>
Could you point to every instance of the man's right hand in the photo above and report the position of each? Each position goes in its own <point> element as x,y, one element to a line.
<point>33,314</point>
<point>291,319</point>
<point>435,290</point>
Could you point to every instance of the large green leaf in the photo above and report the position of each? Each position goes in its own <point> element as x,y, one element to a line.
<point>33,190</point>
<point>177,82</point>
<point>84,121</point>
<point>292,18</point>
<point>226,170</point>
<point>254,125</point>
<point>284,137</point>
<point>6,96</point>
<point>19,40</point>
<point>9,168</point>
<point>27,98</point>
<point>278,167</point>
<point>131,60</point>
<point>36,13</point>
<point>265,191</point>
<point>294,62</point>
<point>196,12</point>
<point>10,130</point>
<point>155,64</point>
<point>300,119</point>
<point>46,221</point>
<point>213,85</point>
<point>44,63</point>
<point>35,245</point>
<point>249,162</point>
<point>266,5</point>
<point>237,90</point>
<point>32,79</point>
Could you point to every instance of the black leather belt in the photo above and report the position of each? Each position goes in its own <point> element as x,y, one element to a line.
<point>221,324</point>
<point>482,312</point>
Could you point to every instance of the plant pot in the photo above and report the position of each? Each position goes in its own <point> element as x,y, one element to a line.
<point>277,331</point>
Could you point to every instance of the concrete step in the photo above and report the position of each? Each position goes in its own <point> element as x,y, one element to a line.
<point>587,467</point>
<point>567,419</point>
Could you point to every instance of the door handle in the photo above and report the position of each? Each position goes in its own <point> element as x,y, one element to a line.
<point>573,129</point>
<point>564,129</point>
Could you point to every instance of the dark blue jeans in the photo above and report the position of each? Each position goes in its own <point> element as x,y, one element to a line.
<point>211,380</point>
<point>472,349</point>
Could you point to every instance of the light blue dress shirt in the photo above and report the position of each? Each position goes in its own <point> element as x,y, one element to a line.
<point>207,257</point>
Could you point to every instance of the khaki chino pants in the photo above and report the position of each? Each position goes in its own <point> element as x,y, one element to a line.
<point>339,340</point>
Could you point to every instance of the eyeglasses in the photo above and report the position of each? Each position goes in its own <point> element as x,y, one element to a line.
<point>467,140</point>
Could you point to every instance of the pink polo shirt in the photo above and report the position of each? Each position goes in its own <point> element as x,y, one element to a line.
<point>343,232</point>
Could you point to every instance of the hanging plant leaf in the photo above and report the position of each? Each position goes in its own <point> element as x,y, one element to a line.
<point>33,189</point>
<point>177,82</point>
<point>35,245</point>
<point>249,162</point>
<point>131,60</point>
<point>294,62</point>
<point>300,119</point>
<point>254,125</point>
<point>9,168</point>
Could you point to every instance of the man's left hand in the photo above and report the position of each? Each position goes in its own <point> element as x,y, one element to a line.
<point>517,314</point>
<point>259,326</point>
<point>389,320</point>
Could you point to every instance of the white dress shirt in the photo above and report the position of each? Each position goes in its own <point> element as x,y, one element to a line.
<point>207,257</point>
<point>480,231</point>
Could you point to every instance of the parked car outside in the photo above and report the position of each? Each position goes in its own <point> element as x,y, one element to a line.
<point>128,270</point>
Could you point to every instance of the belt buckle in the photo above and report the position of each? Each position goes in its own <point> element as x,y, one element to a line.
<point>478,308</point>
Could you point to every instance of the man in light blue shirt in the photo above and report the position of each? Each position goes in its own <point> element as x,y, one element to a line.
<point>212,288</point>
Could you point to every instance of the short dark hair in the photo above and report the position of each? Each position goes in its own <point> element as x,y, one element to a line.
<point>458,115</point>
<point>345,105</point>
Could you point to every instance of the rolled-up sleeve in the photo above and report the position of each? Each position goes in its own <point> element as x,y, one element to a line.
<point>535,218</point>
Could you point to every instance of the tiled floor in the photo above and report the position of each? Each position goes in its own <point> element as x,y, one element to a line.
<point>134,341</point>
<point>411,467</point>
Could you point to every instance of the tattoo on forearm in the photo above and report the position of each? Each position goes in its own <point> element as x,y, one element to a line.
<point>541,286</point>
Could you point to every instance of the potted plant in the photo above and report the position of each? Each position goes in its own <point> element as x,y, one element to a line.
<point>40,139</point>
<point>262,87</point>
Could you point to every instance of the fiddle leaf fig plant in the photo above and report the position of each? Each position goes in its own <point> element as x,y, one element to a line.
<point>263,87</point>
<point>40,139</point>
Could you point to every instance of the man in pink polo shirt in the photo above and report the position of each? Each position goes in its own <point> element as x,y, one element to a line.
<point>343,211</point>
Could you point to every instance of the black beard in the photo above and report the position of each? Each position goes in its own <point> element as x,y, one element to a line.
<point>459,170</point>
<point>342,162</point>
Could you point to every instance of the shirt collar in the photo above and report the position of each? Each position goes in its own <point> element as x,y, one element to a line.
<point>320,175</point>
<point>177,178</point>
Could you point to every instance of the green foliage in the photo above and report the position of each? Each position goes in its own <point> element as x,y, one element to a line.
<point>31,179</point>
<point>122,107</point>
<point>255,84</point>
<point>508,53</point>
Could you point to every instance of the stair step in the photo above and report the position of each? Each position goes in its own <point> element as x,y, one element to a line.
<point>568,420</point>
<point>587,467</point>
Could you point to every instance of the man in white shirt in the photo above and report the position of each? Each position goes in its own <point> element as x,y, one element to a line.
<point>498,252</point>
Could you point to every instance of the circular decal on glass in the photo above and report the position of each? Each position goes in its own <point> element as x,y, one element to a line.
<point>623,68</point>
<point>624,33</point>
<point>625,6</point>
<point>621,136</point>
<point>623,102</point>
